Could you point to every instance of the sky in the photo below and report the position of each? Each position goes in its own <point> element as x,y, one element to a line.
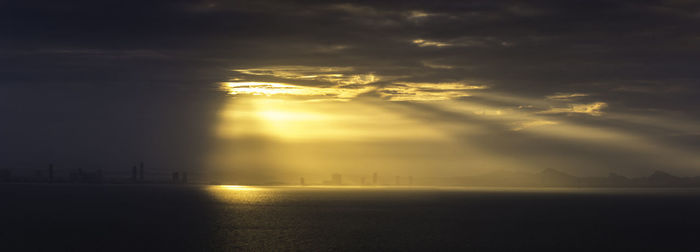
<point>262,90</point>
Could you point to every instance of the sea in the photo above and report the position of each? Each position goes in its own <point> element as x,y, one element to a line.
<point>71,217</point>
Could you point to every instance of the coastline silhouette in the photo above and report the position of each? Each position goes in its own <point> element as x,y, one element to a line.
<point>501,178</point>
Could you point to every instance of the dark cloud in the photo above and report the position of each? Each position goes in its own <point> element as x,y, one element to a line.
<point>635,56</point>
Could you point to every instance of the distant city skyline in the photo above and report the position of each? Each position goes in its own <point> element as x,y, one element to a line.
<point>544,178</point>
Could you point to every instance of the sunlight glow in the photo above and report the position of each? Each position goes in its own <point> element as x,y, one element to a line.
<point>282,89</point>
<point>424,43</point>
<point>425,91</point>
<point>238,187</point>
<point>334,75</point>
<point>265,88</point>
<point>288,119</point>
<point>455,127</point>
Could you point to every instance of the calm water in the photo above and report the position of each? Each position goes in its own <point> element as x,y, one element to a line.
<point>220,218</point>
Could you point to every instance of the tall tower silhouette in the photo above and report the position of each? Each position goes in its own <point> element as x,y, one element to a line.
<point>374,178</point>
<point>337,179</point>
<point>176,177</point>
<point>141,171</point>
<point>398,180</point>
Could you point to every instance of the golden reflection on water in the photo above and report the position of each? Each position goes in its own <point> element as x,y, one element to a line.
<point>267,194</point>
<point>241,194</point>
<point>239,188</point>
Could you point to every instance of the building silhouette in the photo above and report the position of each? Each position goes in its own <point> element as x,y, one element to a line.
<point>179,178</point>
<point>81,176</point>
<point>301,181</point>
<point>398,180</point>
<point>336,179</point>
<point>374,178</point>
<point>141,171</point>
<point>176,177</point>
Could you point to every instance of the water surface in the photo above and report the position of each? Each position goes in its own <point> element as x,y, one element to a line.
<point>228,218</point>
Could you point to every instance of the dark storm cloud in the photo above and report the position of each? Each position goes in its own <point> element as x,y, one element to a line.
<point>635,56</point>
<point>544,45</point>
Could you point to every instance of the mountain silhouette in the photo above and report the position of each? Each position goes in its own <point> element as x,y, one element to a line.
<point>553,177</point>
<point>660,178</point>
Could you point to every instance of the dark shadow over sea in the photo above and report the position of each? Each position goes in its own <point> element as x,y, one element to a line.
<point>41,217</point>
